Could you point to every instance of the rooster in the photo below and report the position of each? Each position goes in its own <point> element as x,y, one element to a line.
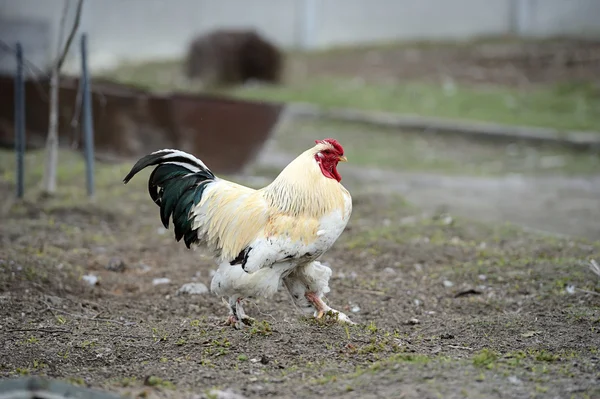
<point>262,239</point>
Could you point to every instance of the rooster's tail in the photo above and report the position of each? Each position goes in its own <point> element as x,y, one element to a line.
<point>176,185</point>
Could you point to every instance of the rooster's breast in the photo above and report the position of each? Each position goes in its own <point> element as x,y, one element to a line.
<point>333,224</point>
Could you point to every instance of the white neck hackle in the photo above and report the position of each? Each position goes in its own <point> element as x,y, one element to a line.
<point>302,189</point>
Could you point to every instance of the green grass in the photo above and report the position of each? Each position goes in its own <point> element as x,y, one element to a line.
<point>445,154</point>
<point>568,107</point>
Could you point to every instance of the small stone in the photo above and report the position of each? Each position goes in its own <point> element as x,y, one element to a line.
<point>90,279</point>
<point>514,380</point>
<point>193,289</point>
<point>158,281</point>
<point>355,309</point>
<point>413,321</point>
<point>115,265</point>
<point>389,270</point>
<point>570,289</point>
<point>482,277</point>
<point>144,267</point>
<point>448,283</point>
<point>264,359</point>
<point>417,302</point>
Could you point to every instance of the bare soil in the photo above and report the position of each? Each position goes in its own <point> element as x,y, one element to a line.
<point>495,62</point>
<point>446,307</point>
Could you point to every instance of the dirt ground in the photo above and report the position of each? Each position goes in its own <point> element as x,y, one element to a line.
<point>446,307</point>
<point>495,62</point>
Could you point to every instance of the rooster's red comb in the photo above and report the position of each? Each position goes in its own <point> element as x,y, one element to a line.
<point>334,143</point>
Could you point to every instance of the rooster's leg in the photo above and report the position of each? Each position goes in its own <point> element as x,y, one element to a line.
<point>232,319</point>
<point>322,308</point>
<point>237,316</point>
<point>247,320</point>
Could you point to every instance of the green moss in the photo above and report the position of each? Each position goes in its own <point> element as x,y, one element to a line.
<point>543,356</point>
<point>485,358</point>
<point>261,328</point>
<point>78,381</point>
<point>154,381</point>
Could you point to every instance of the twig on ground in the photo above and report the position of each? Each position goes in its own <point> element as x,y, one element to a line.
<point>363,291</point>
<point>253,303</point>
<point>460,347</point>
<point>594,267</point>
<point>587,292</point>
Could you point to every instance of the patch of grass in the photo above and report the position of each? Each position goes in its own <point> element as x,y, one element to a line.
<point>448,154</point>
<point>154,381</point>
<point>78,381</point>
<point>544,356</point>
<point>577,108</point>
<point>261,328</point>
<point>128,381</point>
<point>485,358</point>
<point>31,340</point>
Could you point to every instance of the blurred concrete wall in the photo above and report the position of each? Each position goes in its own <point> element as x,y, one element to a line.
<point>134,30</point>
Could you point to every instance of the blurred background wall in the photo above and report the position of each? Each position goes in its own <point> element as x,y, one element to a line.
<point>135,30</point>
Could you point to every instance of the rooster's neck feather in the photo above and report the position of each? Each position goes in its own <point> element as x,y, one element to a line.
<point>301,189</point>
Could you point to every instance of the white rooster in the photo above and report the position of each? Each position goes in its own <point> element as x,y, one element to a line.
<point>262,239</point>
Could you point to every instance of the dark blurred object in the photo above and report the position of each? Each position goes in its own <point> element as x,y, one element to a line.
<point>130,122</point>
<point>230,57</point>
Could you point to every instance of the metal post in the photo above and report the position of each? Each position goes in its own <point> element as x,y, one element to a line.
<point>20,122</point>
<point>88,122</point>
<point>523,15</point>
<point>309,23</point>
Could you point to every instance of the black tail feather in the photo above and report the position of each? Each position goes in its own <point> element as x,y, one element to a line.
<point>176,186</point>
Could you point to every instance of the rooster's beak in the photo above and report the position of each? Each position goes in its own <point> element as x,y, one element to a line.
<point>343,159</point>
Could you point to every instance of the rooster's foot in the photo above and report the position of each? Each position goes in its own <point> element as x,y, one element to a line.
<point>238,323</point>
<point>231,320</point>
<point>323,310</point>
